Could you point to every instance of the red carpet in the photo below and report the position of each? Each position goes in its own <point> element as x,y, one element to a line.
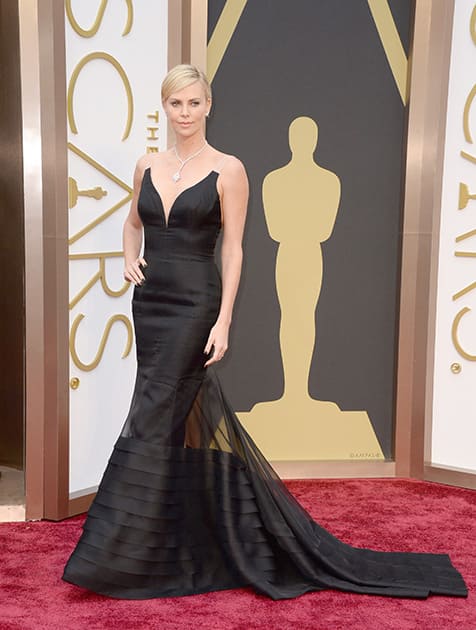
<point>397,515</point>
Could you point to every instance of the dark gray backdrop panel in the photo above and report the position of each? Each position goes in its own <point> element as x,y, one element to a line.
<point>323,59</point>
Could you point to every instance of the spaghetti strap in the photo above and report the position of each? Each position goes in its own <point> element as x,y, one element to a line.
<point>221,162</point>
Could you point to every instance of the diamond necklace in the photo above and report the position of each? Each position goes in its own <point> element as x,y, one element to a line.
<point>176,176</point>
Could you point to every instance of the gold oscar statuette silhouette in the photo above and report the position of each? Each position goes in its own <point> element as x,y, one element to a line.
<point>300,201</point>
<point>73,192</point>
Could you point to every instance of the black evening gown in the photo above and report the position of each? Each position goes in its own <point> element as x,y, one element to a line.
<point>188,503</point>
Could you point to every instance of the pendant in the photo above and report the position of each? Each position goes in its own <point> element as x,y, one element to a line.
<point>176,176</point>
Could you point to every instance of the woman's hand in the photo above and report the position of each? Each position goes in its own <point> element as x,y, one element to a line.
<point>133,272</point>
<point>218,338</point>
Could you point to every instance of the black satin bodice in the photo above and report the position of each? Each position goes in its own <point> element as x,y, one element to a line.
<point>193,225</point>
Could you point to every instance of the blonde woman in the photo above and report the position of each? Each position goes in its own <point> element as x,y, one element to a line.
<point>188,503</point>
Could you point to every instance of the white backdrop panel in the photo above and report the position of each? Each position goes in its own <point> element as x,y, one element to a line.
<point>111,78</point>
<point>454,390</point>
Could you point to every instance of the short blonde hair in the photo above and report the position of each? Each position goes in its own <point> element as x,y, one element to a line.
<point>182,76</point>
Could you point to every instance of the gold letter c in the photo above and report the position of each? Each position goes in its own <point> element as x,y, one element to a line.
<point>127,86</point>
<point>454,335</point>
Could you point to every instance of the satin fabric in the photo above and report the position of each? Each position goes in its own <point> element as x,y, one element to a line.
<point>188,503</point>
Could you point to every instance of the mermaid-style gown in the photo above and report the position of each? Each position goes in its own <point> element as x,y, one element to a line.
<point>188,503</point>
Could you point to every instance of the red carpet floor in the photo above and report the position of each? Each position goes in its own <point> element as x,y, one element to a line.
<point>398,515</point>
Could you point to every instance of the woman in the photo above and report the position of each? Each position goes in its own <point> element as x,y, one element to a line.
<point>188,503</point>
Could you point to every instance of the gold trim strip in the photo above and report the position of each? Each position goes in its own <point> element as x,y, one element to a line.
<point>430,54</point>
<point>34,276</point>
<point>198,33</point>
<point>43,81</point>
<point>391,43</point>
<point>333,469</point>
<point>451,476</point>
<point>431,86</point>
<point>81,504</point>
<point>222,34</point>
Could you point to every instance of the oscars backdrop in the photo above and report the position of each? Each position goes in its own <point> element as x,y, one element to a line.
<point>116,56</point>
<point>453,433</point>
<point>312,97</point>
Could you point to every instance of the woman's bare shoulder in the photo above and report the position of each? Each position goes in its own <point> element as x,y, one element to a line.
<point>234,171</point>
<point>230,164</point>
<point>151,159</point>
<point>233,178</point>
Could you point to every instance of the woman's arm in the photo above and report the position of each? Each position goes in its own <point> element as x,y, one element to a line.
<point>133,229</point>
<point>234,191</point>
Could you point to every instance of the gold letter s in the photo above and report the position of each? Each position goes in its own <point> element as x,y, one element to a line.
<point>87,367</point>
<point>90,32</point>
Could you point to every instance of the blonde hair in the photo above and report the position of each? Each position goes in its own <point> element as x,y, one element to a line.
<point>182,76</point>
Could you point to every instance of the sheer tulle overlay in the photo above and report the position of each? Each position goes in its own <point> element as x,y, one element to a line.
<point>188,503</point>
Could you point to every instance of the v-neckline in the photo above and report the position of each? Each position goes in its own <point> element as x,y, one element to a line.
<point>157,192</point>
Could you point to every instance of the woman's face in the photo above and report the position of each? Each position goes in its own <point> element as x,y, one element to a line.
<point>187,108</point>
